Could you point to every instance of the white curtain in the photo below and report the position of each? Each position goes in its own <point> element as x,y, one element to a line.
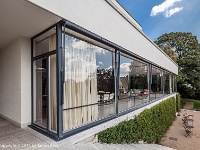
<point>53,98</point>
<point>80,87</point>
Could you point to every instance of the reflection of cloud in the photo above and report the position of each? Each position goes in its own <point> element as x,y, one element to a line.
<point>78,44</point>
<point>100,50</point>
<point>109,68</point>
<point>124,69</point>
<point>100,63</point>
<point>166,8</point>
<point>79,69</point>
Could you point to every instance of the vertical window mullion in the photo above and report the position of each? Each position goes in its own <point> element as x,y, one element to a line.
<point>59,80</point>
<point>117,74</point>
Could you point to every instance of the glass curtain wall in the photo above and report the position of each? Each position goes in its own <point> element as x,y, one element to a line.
<point>133,83</point>
<point>88,84</point>
<point>157,83</point>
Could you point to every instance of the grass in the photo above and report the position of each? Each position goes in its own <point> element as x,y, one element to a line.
<point>196,103</point>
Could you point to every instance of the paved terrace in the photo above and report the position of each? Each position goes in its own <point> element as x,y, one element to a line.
<point>12,137</point>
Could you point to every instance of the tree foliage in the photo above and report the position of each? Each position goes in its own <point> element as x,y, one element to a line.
<point>184,43</point>
<point>171,53</point>
<point>188,50</point>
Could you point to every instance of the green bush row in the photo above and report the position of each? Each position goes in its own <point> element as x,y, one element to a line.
<point>178,102</point>
<point>149,126</point>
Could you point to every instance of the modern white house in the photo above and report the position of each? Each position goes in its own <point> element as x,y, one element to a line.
<point>69,65</point>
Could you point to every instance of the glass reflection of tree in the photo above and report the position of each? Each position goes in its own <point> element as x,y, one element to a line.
<point>166,84</point>
<point>139,82</point>
<point>138,76</point>
<point>105,80</point>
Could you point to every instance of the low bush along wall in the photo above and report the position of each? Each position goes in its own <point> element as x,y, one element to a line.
<point>149,126</point>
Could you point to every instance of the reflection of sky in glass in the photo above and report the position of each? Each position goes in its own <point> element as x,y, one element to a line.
<point>124,66</point>
<point>124,69</point>
<point>83,59</point>
<point>104,60</point>
<point>132,67</point>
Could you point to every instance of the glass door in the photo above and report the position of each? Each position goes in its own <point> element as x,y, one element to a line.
<point>45,96</point>
<point>40,75</point>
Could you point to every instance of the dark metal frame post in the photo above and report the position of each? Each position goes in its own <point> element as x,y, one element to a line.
<point>117,69</point>
<point>59,80</point>
<point>118,80</point>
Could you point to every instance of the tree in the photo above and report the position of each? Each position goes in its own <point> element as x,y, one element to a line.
<point>170,52</point>
<point>188,58</point>
<point>184,43</point>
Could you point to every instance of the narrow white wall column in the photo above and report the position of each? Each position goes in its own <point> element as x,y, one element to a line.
<point>25,81</point>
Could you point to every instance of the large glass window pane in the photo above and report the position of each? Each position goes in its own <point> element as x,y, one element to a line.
<point>41,44</point>
<point>88,84</point>
<point>52,93</point>
<point>167,83</point>
<point>157,83</point>
<point>133,89</point>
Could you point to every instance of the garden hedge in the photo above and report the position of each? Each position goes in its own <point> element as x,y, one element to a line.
<point>149,126</point>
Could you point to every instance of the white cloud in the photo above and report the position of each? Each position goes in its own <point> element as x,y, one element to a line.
<point>100,63</point>
<point>166,8</point>
<point>171,12</point>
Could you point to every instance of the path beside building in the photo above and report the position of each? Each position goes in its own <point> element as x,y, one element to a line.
<point>175,138</point>
<point>188,105</point>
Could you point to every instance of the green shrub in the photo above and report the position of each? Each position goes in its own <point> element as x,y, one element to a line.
<point>149,126</point>
<point>178,102</point>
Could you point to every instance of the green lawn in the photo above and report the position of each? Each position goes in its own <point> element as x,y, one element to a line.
<point>196,103</point>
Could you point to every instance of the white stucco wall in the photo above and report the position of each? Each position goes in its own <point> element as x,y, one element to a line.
<point>15,82</point>
<point>102,19</point>
<point>10,81</point>
<point>25,81</point>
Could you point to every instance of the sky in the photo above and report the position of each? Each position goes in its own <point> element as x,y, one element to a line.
<point>158,17</point>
